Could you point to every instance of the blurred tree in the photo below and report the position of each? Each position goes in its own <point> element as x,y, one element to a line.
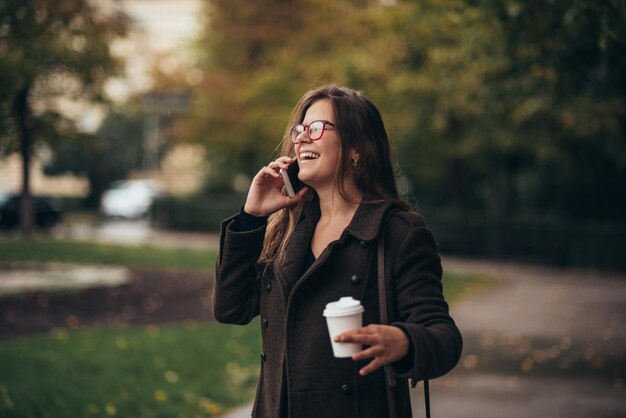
<point>53,54</point>
<point>565,86</point>
<point>259,58</point>
<point>495,106</point>
<point>515,105</point>
<point>237,54</point>
<point>439,98</point>
<point>108,155</point>
<point>423,62</point>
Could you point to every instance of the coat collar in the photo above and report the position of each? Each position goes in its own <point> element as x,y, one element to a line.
<point>365,226</point>
<point>366,222</point>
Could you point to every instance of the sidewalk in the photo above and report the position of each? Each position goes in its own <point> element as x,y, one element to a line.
<point>545,343</point>
<point>134,232</point>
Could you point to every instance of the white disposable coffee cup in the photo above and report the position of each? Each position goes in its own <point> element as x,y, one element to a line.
<point>341,316</point>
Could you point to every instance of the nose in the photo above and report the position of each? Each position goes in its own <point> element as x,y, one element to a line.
<point>303,136</point>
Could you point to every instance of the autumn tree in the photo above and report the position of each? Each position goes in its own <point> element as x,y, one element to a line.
<point>53,55</point>
<point>258,59</point>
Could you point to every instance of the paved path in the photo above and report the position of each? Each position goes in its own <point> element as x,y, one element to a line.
<point>544,343</point>
<point>133,232</point>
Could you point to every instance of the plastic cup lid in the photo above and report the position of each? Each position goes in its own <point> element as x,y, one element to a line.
<point>343,307</point>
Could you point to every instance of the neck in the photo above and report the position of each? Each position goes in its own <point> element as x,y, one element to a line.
<point>332,204</point>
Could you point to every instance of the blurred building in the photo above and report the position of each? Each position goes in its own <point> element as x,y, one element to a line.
<point>161,40</point>
<point>160,37</point>
<point>65,185</point>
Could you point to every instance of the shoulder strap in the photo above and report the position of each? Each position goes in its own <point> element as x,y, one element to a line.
<point>382,300</point>
<point>384,320</point>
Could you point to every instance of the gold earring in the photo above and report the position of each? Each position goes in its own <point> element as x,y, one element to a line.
<point>355,161</point>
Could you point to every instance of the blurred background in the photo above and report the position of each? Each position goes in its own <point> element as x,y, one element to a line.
<point>130,128</point>
<point>507,118</point>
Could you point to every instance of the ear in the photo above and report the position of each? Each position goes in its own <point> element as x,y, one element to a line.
<point>355,159</point>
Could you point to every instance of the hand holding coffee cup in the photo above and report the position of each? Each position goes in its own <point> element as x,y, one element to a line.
<point>385,344</point>
<point>344,315</point>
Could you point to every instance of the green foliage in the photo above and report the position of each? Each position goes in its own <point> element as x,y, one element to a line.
<point>497,105</point>
<point>564,91</point>
<point>460,286</point>
<point>46,250</point>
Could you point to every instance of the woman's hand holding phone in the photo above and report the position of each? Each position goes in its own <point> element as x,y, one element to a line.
<point>265,196</point>
<point>290,176</point>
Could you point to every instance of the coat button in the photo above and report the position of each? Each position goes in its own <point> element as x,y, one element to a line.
<point>355,280</point>
<point>346,389</point>
<point>268,287</point>
<point>263,356</point>
<point>363,244</point>
<point>265,322</point>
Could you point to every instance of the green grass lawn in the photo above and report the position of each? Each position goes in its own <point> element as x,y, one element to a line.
<point>48,250</point>
<point>180,370</point>
<point>460,286</point>
<point>193,370</point>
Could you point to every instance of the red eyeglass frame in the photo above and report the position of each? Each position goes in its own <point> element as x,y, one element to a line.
<point>305,128</point>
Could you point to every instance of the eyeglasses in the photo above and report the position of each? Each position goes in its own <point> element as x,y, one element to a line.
<point>314,130</point>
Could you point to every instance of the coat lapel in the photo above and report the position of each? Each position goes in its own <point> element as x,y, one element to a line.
<point>299,245</point>
<point>365,226</point>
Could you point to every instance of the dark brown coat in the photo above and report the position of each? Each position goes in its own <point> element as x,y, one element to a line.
<point>290,301</point>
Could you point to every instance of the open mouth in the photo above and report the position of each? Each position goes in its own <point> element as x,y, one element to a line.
<point>309,156</point>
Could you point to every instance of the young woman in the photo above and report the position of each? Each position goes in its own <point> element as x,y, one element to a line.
<point>285,258</point>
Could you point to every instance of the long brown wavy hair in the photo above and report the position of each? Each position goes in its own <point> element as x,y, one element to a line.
<point>359,127</point>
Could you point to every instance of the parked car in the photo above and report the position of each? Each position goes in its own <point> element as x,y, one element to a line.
<point>4,196</point>
<point>129,198</point>
<point>47,211</point>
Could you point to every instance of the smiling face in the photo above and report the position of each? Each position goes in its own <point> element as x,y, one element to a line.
<point>319,159</point>
<point>351,158</point>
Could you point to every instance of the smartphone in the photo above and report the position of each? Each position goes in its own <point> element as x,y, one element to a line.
<point>290,176</point>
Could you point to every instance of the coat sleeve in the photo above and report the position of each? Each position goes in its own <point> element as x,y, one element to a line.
<point>236,288</point>
<point>422,313</point>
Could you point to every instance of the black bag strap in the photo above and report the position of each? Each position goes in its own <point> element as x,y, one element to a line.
<point>384,320</point>
<point>382,301</point>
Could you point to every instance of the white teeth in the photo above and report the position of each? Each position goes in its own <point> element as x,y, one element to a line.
<point>309,155</point>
